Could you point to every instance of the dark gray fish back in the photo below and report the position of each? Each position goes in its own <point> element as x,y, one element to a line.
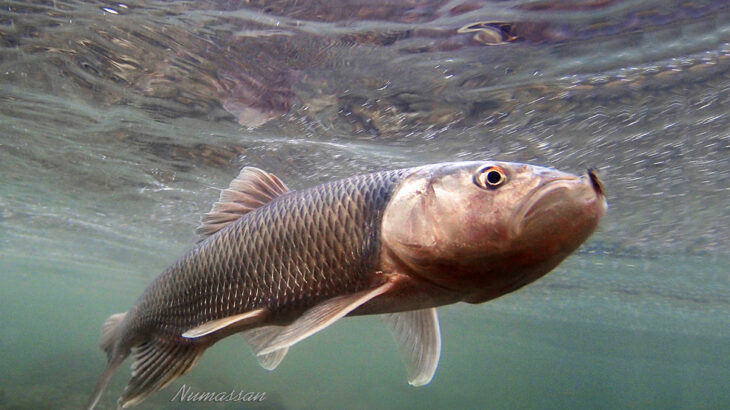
<point>302,248</point>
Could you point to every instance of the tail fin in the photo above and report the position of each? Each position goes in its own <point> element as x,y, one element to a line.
<point>109,332</point>
<point>157,362</point>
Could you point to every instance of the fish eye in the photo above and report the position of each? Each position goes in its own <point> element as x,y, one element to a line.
<point>491,177</point>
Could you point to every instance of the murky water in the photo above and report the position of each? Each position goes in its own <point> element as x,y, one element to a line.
<point>119,122</point>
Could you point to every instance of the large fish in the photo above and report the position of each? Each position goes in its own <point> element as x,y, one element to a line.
<point>277,266</point>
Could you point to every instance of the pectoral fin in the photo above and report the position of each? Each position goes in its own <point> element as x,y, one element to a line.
<point>227,322</point>
<point>418,337</point>
<point>319,317</point>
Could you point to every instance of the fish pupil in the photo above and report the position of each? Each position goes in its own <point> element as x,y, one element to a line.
<point>494,177</point>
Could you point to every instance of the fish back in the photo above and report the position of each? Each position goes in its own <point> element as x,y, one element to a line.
<point>296,251</point>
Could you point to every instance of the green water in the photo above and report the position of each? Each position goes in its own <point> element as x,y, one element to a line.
<point>595,333</point>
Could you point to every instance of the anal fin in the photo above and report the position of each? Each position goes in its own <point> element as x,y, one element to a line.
<point>319,317</point>
<point>418,337</point>
<point>156,364</point>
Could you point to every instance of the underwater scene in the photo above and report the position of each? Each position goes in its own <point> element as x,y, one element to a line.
<point>121,122</point>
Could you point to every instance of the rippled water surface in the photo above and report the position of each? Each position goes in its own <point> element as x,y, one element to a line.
<point>119,122</point>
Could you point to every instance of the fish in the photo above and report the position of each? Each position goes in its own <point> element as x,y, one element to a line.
<point>277,265</point>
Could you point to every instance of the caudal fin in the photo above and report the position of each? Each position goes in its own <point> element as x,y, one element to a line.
<point>157,362</point>
<point>111,367</point>
<point>109,331</point>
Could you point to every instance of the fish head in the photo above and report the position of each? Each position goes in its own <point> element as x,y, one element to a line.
<point>484,229</point>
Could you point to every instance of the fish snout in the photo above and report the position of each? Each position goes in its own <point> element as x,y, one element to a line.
<point>595,182</point>
<point>561,194</point>
<point>601,205</point>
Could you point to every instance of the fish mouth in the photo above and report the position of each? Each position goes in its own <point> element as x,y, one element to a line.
<point>536,198</point>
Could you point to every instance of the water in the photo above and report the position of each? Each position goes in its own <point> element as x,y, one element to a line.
<point>119,122</point>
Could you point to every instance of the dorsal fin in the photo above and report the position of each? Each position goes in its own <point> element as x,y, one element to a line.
<point>252,188</point>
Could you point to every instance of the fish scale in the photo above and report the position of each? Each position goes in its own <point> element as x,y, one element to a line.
<point>249,253</point>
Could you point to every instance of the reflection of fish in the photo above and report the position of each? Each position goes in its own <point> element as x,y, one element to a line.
<point>278,266</point>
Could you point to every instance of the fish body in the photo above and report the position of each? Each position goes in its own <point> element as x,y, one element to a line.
<point>277,265</point>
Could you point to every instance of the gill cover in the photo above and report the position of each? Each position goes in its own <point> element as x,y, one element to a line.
<point>443,218</point>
